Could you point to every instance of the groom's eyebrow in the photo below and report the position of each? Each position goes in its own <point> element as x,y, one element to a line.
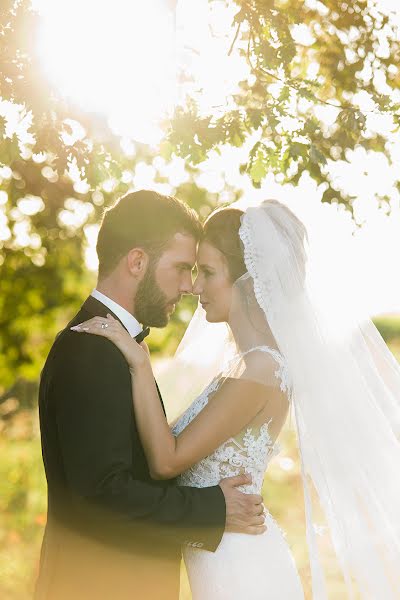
<point>186,265</point>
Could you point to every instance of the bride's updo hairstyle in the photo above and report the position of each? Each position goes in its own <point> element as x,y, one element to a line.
<point>221,230</point>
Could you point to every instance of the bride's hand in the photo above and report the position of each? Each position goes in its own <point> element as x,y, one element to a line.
<point>136,354</point>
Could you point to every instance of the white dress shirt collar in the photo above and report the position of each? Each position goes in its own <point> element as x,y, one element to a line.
<point>128,320</point>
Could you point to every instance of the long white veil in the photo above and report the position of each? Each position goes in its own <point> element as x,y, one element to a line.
<point>345,390</point>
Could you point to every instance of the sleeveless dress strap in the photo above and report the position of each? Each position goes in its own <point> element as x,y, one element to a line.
<point>282,373</point>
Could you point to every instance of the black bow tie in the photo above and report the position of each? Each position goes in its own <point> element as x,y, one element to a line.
<point>140,336</point>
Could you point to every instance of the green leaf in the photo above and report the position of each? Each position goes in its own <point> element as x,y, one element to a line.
<point>259,163</point>
<point>316,156</point>
<point>258,169</point>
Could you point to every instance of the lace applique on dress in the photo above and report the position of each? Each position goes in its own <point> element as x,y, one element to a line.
<point>249,452</point>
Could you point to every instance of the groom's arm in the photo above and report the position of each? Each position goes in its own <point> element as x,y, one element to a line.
<point>94,413</point>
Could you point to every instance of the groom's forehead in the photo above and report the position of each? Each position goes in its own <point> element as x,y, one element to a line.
<point>182,247</point>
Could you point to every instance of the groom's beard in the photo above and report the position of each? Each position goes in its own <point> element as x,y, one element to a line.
<point>151,304</point>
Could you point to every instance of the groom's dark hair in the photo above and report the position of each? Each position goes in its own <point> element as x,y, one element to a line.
<point>143,219</point>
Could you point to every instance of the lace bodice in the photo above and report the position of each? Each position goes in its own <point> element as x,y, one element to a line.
<point>249,452</point>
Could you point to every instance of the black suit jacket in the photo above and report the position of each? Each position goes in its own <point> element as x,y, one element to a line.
<point>112,533</point>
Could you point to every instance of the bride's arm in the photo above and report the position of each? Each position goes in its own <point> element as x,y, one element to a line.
<point>231,409</point>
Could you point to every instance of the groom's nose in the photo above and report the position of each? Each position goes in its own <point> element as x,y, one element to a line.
<point>196,288</point>
<point>186,286</point>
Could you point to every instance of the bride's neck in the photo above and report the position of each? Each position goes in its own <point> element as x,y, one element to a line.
<point>240,337</point>
<point>247,337</point>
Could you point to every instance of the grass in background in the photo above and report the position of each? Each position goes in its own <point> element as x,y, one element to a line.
<point>23,502</point>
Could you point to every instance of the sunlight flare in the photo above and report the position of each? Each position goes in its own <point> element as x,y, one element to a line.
<point>115,59</point>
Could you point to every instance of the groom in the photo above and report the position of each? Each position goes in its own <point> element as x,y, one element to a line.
<point>112,532</point>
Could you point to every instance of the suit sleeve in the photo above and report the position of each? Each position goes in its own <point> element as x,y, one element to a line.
<point>94,416</point>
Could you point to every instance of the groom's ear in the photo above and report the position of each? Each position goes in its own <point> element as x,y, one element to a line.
<point>137,262</point>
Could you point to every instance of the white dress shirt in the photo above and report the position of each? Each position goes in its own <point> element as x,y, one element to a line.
<point>128,320</point>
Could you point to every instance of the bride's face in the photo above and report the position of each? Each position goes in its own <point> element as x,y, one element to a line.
<point>213,283</point>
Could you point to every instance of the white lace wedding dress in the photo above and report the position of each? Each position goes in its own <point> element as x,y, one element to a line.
<point>244,567</point>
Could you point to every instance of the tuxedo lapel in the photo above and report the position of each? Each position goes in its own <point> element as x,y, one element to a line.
<point>95,308</point>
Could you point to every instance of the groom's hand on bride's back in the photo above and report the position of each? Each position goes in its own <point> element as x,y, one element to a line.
<point>244,512</point>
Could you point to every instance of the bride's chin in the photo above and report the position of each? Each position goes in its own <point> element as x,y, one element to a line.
<point>211,319</point>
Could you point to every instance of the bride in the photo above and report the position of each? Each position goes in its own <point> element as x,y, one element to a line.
<point>275,331</point>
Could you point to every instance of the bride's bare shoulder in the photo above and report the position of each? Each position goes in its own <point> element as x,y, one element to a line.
<point>264,366</point>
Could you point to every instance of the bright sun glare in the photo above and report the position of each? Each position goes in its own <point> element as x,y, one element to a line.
<point>115,58</point>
